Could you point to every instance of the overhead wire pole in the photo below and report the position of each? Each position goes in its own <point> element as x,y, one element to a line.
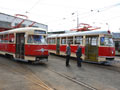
<point>77,19</point>
<point>34,5</point>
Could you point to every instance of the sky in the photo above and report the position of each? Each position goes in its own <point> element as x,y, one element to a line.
<point>57,14</point>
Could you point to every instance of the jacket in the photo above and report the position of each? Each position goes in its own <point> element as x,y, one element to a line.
<point>68,50</point>
<point>79,52</point>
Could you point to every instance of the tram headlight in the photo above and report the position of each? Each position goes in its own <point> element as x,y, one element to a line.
<point>112,52</point>
<point>37,58</point>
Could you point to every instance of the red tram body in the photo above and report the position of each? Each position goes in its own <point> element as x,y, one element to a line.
<point>27,44</point>
<point>97,46</point>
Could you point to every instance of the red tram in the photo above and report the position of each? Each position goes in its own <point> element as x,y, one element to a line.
<point>27,44</point>
<point>97,46</point>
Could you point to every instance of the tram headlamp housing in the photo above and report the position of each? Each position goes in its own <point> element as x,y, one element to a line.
<point>112,52</point>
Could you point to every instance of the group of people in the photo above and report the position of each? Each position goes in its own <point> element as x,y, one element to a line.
<point>78,54</point>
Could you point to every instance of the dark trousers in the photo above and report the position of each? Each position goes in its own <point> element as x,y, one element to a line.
<point>79,60</point>
<point>67,60</point>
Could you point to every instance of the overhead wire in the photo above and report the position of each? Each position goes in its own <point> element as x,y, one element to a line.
<point>34,5</point>
<point>98,11</point>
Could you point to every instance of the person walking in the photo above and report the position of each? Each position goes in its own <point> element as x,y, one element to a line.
<point>68,53</point>
<point>79,54</point>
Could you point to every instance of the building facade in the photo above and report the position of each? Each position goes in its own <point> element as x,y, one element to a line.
<point>8,22</point>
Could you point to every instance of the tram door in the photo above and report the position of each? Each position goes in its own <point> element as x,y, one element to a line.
<point>91,48</point>
<point>58,46</point>
<point>20,40</point>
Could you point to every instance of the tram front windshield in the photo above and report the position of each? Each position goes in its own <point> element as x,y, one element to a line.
<point>107,41</point>
<point>36,39</point>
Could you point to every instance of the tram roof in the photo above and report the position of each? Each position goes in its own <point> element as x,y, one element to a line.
<point>25,29</point>
<point>96,32</point>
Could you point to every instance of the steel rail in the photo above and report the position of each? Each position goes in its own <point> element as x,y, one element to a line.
<point>33,78</point>
<point>74,80</point>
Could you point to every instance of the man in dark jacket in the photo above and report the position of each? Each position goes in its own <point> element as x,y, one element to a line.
<point>79,54</point>
<point>68,53</point>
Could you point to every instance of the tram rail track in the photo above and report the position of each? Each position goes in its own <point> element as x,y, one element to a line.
<point>74,80</point>
<point>68,78</point>
<point>32,77</point>
<point>28,75</point>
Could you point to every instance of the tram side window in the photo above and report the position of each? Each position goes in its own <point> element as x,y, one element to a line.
<point>11,38</point>
<point>94,41</point>
<point>51,40</point>
<point>70,40</point>
<point>79,40</point>
<point>5,38</point>
<point>117,45</point>
<point>1,38</point>
<point>63,40</point>
<point>48,40</point>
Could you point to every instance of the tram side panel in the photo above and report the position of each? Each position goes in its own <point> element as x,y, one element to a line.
<point>36,50</point>
<point>6,48</point>
<point>52,48</point>
<point>11,48</point>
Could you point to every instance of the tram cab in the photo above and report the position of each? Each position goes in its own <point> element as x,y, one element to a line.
<point>25,44</point>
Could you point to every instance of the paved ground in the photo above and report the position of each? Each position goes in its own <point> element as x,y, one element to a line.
<point>24,76</point>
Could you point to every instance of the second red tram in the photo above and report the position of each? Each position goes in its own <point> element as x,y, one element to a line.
<point>27,44</point>
<point>97,46</point>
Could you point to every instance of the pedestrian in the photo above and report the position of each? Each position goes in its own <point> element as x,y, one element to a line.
<point>79,54</point>
<point>68,53</point>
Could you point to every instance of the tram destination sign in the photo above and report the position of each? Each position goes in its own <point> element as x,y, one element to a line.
<point>39,32</point>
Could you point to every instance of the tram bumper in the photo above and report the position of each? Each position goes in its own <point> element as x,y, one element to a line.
<point>106,59</point>
<point>41,59</point>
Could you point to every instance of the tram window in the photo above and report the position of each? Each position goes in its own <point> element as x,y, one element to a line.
<point>5,38</point>
<point>79,40</point>
<point>1,38</point>
<point>37,39</point>
<point>51,40</point>
<point>11,38</point>
<point>48,40</point>
<point>102,39</point>
<point>70,40</point>
<point>107,41</point>
<point>94,41</point>
<point>30,39</point>
<point>63,40</point>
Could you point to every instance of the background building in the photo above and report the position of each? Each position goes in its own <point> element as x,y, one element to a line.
<point>116,39</point>
<point>8,22</point>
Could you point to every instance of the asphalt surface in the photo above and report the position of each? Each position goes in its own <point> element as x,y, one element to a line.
<point>25,76</point>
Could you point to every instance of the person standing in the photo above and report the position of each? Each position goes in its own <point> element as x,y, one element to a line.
<point>79,54</point>
<point>68,53</point>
